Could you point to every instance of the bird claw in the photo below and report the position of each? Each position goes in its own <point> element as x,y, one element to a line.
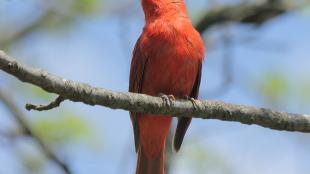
<point>168,99</point>
<point>192,100</point>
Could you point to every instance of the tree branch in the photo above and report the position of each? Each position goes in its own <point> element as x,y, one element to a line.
<point>52,105</point>
<point>19,117</point>
<point>81,92</point>
<point>257,13</point>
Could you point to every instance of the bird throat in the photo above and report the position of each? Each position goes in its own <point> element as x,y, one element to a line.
<point>159,8</point>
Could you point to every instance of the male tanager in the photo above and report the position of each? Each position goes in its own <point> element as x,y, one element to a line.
<point>167,59</point>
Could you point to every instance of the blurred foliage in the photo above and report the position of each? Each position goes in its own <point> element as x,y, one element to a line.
<point>199,156</point>
<point>61,129</point>
<point>305,92</point>
<point>202,159</point>
<point>57,15</point>
<point>306,10</point>
<point>31,91</point>
<point>277,89</point>
<point>86,6</point>
<point>63,14</point>
<point>273,87</point>
<point>31,158</point>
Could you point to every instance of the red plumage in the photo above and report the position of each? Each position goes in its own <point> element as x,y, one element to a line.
<point>167,59</point>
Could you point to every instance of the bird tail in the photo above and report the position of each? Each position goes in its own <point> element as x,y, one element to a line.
<point>147,165</point>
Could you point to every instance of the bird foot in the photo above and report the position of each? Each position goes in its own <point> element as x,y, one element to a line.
<point>168,99</point>
<point>192,100</point>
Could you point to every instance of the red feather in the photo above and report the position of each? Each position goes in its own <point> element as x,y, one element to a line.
<point>167,59</point>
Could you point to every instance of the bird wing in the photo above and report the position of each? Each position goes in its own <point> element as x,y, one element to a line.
<point>137,70</point>
<point>184,122</point>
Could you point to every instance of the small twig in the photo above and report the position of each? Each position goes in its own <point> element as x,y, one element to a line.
<point>50,106</point>
<point>19,117</point>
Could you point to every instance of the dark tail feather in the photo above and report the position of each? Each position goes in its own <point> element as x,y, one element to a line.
<point>150,166</point>
<point>182,126</point>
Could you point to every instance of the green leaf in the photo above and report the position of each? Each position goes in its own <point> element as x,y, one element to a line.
<point>305,92</point>
<point>273,86</point>
<point>61,129</point>
<point>201,159</point>
<point>305,10</point>
<point>86,6</point>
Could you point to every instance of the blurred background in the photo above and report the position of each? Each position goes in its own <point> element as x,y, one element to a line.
<point>259,57</point>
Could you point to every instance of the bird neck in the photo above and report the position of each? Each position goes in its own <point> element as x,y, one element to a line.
<point>154,9</point>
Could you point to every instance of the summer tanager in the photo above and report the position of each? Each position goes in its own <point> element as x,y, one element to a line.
<point>167,59</point>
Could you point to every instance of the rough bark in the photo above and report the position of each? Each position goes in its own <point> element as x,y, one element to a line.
<point>81,92</point>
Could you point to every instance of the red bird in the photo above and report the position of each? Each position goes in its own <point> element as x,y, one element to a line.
<point>167,59</point>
